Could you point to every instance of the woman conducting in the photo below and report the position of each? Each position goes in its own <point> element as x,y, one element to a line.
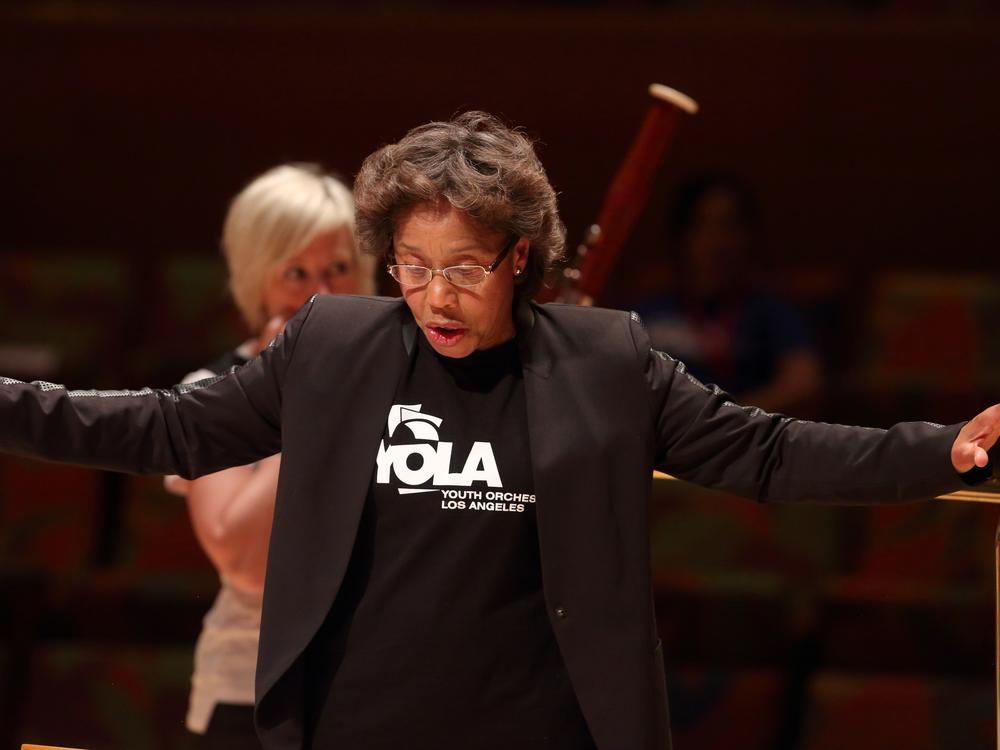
<point>459,552</point>
<point>288,235</point>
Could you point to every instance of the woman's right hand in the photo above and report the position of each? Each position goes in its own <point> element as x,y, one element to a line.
<point>273,327</point>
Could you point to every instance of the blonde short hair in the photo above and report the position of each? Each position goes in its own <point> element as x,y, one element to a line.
<point>272,219</point>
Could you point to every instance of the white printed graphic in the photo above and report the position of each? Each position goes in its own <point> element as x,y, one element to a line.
<point>416,464</point>
<point>419,463</point>
<point>422,426</point>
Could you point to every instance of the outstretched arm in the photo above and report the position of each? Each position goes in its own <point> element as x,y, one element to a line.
<point>706,438</point>
<point>189,430</point>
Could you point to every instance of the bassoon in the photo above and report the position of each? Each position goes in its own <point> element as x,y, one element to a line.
<point>587,271</point>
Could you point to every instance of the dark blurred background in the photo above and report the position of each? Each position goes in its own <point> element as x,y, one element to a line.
<point>867,131</point>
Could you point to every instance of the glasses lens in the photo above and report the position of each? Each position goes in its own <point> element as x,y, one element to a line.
<point>410,275</point>
<point>465,275</point>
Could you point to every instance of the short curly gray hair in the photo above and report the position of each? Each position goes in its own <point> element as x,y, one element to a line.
<point>477,164</point>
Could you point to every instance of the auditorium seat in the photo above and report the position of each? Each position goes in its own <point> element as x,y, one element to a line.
<point>929,347</point>
<point>106,696</point>
<point>875,712</point>
<point>47,515</point>
<point>77,304</point>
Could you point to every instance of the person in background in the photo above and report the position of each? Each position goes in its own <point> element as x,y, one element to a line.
<point>288,235</point>
<point>717,319</point>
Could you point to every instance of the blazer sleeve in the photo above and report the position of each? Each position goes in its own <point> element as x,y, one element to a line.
<point>190,429</point>
<point>703,436</point>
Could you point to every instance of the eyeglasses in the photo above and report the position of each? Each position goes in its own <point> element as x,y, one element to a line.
<point>464,275</point>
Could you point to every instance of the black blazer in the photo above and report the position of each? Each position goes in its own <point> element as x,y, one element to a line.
<point>603,411</point>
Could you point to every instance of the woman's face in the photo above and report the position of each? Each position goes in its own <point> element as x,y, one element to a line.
<point>717,245</point>
<point>458,320</point>
<point>324,266</point>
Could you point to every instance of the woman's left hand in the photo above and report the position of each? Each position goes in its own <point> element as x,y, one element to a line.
<point>976,438</point>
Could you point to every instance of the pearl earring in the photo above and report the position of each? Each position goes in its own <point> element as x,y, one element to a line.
<point>517,271</point>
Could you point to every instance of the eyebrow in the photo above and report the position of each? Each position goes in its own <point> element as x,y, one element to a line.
<point>466,251</point>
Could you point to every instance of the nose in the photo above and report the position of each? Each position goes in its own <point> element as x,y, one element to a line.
<point>440,293</point>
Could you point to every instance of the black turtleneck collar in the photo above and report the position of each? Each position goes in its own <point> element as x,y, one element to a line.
<point>481,369</point>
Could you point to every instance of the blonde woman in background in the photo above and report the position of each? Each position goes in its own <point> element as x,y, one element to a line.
<point>288,235</point>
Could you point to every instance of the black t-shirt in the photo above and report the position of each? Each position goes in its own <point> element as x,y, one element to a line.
<point>439,637</point>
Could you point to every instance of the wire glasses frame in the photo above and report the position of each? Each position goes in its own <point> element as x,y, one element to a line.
<point>463,275</point>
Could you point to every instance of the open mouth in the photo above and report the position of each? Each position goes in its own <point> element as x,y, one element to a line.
<point>445,335</point>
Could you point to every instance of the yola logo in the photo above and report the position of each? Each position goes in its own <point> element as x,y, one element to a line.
<point>422,462</point>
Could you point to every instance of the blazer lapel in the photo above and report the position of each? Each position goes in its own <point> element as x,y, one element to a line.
<point>548,433</point>
<point>305,572</point>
